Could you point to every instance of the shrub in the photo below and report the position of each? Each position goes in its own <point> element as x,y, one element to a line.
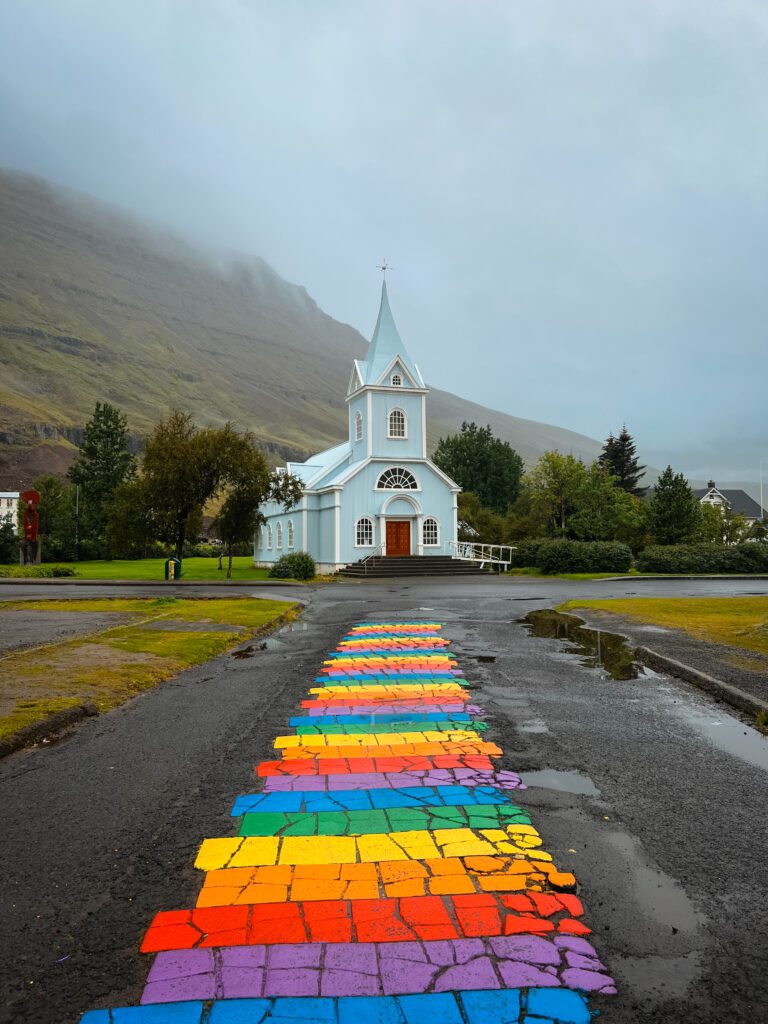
<point>556,556</point>
<point>37,571</point>
<point>298,566</point>
<point>704,558</point>
<point>526,553</point>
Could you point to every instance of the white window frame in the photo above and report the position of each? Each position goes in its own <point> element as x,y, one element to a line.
<point>289,535</point>
<point>358,426</point>
<point>424,541</point>
<point>269,536</point>
<point>279,536</point>
<point>401,469</point>
<point>397,380</point>
<point>397,437</point>
<point>369,531</point>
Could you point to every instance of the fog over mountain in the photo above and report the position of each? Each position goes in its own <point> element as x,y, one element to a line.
<point>572,195</point>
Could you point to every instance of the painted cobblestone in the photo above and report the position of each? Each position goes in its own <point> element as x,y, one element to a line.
<point>382,871</point>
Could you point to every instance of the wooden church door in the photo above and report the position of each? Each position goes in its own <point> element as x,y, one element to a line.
<point>398,538</point>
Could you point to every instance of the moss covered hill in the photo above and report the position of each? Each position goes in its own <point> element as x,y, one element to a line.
<point>97,306</point>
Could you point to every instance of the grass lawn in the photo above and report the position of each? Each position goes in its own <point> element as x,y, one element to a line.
<point>153,569</point>
<point>737,621</point>
<point>152,640</point>
<point>531,571</point>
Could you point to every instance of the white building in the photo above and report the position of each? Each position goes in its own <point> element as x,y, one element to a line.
<point>9,506</point>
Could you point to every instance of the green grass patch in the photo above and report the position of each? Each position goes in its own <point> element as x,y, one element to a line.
<point>27,712</point>
<point>154,569</point>
<point>735,621</point>
<point>120,661</point>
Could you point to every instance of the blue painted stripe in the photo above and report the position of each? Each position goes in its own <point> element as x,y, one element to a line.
<point>374,719</point>
<point>506,1006</point>
<point>315,801</point>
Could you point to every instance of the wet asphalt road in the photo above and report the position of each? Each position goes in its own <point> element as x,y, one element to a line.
<point>652,793</point>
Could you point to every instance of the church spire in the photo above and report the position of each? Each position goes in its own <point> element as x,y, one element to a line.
<point>387,347</point>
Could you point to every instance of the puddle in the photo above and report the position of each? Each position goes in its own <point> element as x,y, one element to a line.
<point>483,658</point>
<point>660,897</point>
<point>672,975</point>
<point>294,627</point>
<point>564,782</point>
<point>597,649</point>
<point>728,734</point>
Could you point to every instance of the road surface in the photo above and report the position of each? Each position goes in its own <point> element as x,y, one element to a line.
<point>649,791</point>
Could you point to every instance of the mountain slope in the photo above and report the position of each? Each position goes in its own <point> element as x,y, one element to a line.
<point>97,306</point>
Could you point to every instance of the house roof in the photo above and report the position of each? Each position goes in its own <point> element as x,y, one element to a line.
<point>386,347</point>
<point>739,501</point>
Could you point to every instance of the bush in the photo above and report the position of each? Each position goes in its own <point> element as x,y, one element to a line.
<point>298,566</point>
<point>526,553</point>
<point>704,558</point>
<point>201,550</point>
<point>556,556</point>
<point>46,572</point>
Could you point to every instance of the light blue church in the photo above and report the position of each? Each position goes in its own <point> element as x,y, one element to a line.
<point>377,493</point>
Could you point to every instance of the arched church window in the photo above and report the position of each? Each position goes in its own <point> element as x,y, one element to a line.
<point>269,537</point>
<point>358,426</point>
<point>279,534</point>
<point>289,531</point>
<point>397,479</point>
<point>397,380</point>
<point>397,423</point>
<point>364,533</point>
<point>430,533</point>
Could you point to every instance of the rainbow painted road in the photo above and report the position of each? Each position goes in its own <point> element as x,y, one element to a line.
<point>382,873</point>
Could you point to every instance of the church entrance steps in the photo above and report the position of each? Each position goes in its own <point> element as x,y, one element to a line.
<point>381,566</point>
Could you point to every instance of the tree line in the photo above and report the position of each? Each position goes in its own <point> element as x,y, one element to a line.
<point>117,504</point>
<point>562,497</point>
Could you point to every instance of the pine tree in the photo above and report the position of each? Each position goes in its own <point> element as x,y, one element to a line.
<point>619,456</point>
<point>673,511</point>
<point>102,464</point>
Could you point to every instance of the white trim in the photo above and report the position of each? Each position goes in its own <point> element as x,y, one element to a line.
<point>384,389</point>
<point>278,536</point>
<point>290,536</point>
<point>395,496</point>
<point>337,530</point>
<point>423,428</point>
<point>369,406</point>
<point>390,369</point>
<point>304,526</point>
<point>269,536</point>
<point>358,421</point>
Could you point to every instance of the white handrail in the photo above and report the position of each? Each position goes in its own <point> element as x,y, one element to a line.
<point>472,551</point>
<point>374,554</point>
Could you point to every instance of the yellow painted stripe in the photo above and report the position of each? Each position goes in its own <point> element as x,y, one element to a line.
<point>374,739</point>
<point>515,841</point>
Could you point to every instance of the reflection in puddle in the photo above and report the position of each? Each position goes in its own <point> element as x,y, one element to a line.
<point>565,782</point>
<point>598,649</point>
<point>727,733</point>
<point>660,897</point>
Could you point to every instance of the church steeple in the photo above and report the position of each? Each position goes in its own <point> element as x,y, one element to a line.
<point>387,350</point>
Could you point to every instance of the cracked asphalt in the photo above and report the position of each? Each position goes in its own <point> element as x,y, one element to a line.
<point>649,790</point>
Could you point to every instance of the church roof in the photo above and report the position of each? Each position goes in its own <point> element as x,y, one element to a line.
<point>316,467</point>
<point>386,347</point>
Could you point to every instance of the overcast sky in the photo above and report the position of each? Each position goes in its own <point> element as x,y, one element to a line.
<point>572,193</point>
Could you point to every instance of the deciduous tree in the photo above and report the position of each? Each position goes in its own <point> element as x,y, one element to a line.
<point>553,486</point>
<point>482,464</point>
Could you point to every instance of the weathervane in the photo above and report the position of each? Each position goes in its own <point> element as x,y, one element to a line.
<point>384,268</point>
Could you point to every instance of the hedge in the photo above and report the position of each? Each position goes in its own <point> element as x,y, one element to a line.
<point>556,556</point>
<point>704,558</point>
<point>298,566</point>
<point>46,572</point>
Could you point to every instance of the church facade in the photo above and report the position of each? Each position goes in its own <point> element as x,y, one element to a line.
<point>377,493</point>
